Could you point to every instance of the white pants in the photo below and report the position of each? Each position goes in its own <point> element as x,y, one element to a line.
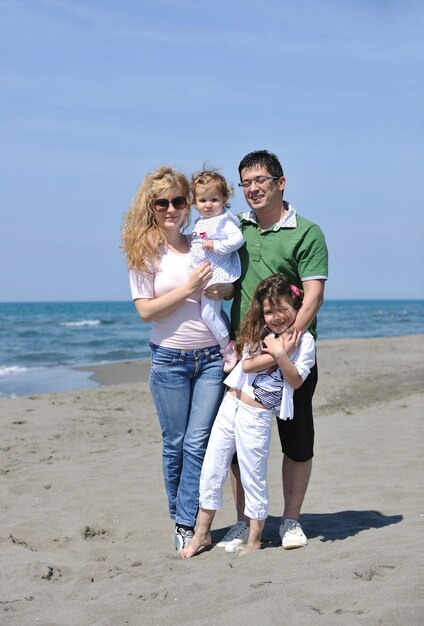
<point>247,430</point>
<point>213,316</point>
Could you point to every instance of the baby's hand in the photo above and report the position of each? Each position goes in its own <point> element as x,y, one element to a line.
<point>207,245</point>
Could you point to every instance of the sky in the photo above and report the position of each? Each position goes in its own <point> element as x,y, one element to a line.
<point>95,94</point>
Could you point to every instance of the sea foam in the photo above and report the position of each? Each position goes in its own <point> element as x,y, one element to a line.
<point>81,323</point>
<point>7,370</point>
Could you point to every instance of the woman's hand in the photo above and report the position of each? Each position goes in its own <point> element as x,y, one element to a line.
<point>153,309</point>
<point>199,277</point>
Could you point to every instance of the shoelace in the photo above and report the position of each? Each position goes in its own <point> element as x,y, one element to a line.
<point>292,527</point>
<point>187,535</point>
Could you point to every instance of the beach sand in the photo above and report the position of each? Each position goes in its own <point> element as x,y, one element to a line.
<point>85,536</point>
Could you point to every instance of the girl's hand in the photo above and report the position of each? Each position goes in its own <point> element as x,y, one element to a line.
<point>207,245</point>
<point>280,348</point>
<point>285,344</point>
<point>273,346</point>
<point>199,277</point>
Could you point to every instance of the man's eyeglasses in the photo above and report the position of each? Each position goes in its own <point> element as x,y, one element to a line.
<point>258,180</point>
<point>162,204</point>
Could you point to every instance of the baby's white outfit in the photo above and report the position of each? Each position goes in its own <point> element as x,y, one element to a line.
<point>223,230</point>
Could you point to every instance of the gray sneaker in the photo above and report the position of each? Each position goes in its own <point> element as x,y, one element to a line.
<point>182,537</point>
<point>292,535</point>
<point>236,535</point>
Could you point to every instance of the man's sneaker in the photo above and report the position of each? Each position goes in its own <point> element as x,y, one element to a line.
<point>229,356</point>
<point>292,535</point>
<point>182,537</point>
<point>235,536</point>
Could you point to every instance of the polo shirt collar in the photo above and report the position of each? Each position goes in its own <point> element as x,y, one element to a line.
<point>289,220</point>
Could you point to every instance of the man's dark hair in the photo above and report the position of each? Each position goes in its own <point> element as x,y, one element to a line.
<point>263,158</point>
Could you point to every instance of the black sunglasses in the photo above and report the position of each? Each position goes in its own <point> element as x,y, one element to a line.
<point>162,204</point>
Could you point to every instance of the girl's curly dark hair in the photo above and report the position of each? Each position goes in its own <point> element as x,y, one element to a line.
<point>253,326</point>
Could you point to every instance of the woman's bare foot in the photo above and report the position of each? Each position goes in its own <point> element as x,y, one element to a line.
<point>199,541</point>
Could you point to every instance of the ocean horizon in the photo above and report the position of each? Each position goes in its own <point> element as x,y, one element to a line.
<point>42,342</point>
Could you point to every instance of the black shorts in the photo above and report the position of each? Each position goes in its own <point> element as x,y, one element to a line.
<point>297,434</point>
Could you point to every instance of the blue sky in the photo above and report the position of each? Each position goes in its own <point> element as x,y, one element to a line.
<point>95,94</point>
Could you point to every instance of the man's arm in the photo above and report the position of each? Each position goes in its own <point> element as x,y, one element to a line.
<point>312,300</point>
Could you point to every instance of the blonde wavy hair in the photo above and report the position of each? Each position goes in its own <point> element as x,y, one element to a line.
<point>142,239</point>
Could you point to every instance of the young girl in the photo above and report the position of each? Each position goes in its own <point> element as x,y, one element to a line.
<point>274,363</point>
<point>215,238</point>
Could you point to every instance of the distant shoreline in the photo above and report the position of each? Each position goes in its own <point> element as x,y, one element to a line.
<point>59,347</point>
<point>386,368</point>
<point>385,363</point>
<point>130,302</point>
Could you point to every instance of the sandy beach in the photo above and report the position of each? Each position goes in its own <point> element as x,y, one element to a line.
<point>85,536</point>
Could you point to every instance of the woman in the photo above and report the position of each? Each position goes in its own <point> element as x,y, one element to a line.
<point>186,371</point>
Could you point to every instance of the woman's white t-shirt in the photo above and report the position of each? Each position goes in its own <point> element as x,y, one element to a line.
<point>183,328</point>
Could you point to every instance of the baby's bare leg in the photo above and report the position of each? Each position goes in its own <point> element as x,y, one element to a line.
<point>202,536</point>
<point>255,534</point>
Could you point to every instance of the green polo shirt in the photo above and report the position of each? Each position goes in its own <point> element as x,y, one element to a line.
<point>295,247</point>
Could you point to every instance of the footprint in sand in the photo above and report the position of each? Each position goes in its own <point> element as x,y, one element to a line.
<point>88,532</point>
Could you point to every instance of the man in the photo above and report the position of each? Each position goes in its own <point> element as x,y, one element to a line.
<point>278,239</point>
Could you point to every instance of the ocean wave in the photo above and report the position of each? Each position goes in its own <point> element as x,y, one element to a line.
<point>7,370</point>
<point>28,333</point>
<point>81,323</point>
<point>391,315</point>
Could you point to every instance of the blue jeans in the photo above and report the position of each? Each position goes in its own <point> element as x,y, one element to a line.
<point>186,386</point>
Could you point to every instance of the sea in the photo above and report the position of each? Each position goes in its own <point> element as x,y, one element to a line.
<point>42,343</point>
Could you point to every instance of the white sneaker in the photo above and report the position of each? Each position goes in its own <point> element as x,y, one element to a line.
<point>292,535</point>
<point>236,536</point>
<point>182,538</point>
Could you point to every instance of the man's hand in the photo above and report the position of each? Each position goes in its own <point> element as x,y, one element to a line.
<point>291,340</point>
<point>219,291</point>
